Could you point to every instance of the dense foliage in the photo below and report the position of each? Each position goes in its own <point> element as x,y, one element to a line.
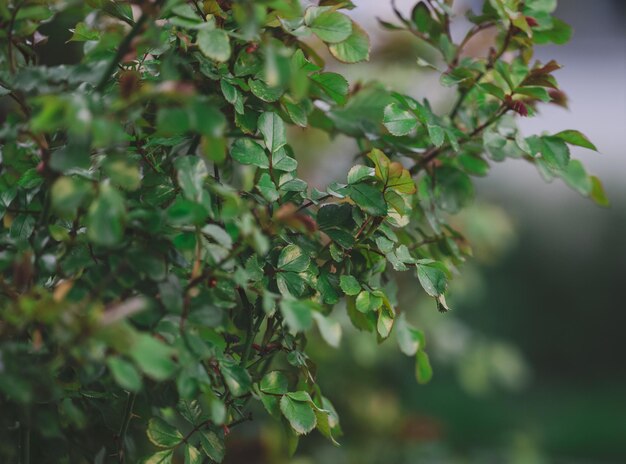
<point>161,261</point>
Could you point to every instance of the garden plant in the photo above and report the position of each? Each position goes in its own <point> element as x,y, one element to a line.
<point>162,260</point>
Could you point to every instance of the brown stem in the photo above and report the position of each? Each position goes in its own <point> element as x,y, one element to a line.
<point>311,202</point>
<point>433,153</point>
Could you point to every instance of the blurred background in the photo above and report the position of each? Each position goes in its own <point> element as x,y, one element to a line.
<point>529,365</point>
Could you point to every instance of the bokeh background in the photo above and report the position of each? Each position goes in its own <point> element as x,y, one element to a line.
<point>530,365</point>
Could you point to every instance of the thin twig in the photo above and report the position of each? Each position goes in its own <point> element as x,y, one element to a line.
<point>311,202</point>
<point>490,64</point>
<point>434,152</point>
<point>122,50</point>
<point>128,413</point>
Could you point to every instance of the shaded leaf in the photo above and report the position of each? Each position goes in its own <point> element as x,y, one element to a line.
<point>163,434</point>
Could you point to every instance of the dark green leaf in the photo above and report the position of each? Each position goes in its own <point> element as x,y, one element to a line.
<point>423,371</point>
<point>274,382</point>
<point>333,84</point>
<point>247,151</point>
<point>369,199</point>
<point>237,378</point>
<point>124,373</point>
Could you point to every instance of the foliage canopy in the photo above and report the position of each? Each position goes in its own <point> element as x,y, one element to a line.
<point>161,260</point>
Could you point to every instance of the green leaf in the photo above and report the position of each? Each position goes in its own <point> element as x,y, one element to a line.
<point>300,395</point>
<point>293,259</point>
<point>22,227</point>
<point>275,383</point>
<point>555,153</point>
<point>152,357</point>
<point>363,301</point>
<point>297,313</point>
<point>423,20</point>
<point>290,284</point>
<point>436,134</point>
<point>218,235</point>
<point>359,173</point>
<point>214,44</point>
<point>237,378</point>
<point>328,420</point>
<point>267,188</point>
<point>399,121</point>
<point>265,92</point>
<point>191,173</point>
<point>433,278</point>
<point>82,33</point>
<point>160,457</point>
<point>327,285</point>
<point>574,137</point>
<point>329,329</point>
<point>247,151</point>
<point>106,216</point>
<point>576,177</point>
<point>385,321</point>
<point>336,221</point>
<point>173,121</point>
<point>213,445</point>
<point>163,434</point>
<point>272,127</point>
<point>349,285</point>
<point>473,164</point>
<point>597,192</point>
<point>300,414</point>
<point>124,373</point>
<point>283,162</point>
<point>560,33</point>
<point>410,340</point>
<point>330,26</point>
<point>423,370</point>
<point>369,199</point>
<point>354,49</point>
<point>193,455</point>
<point>333,84</point>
